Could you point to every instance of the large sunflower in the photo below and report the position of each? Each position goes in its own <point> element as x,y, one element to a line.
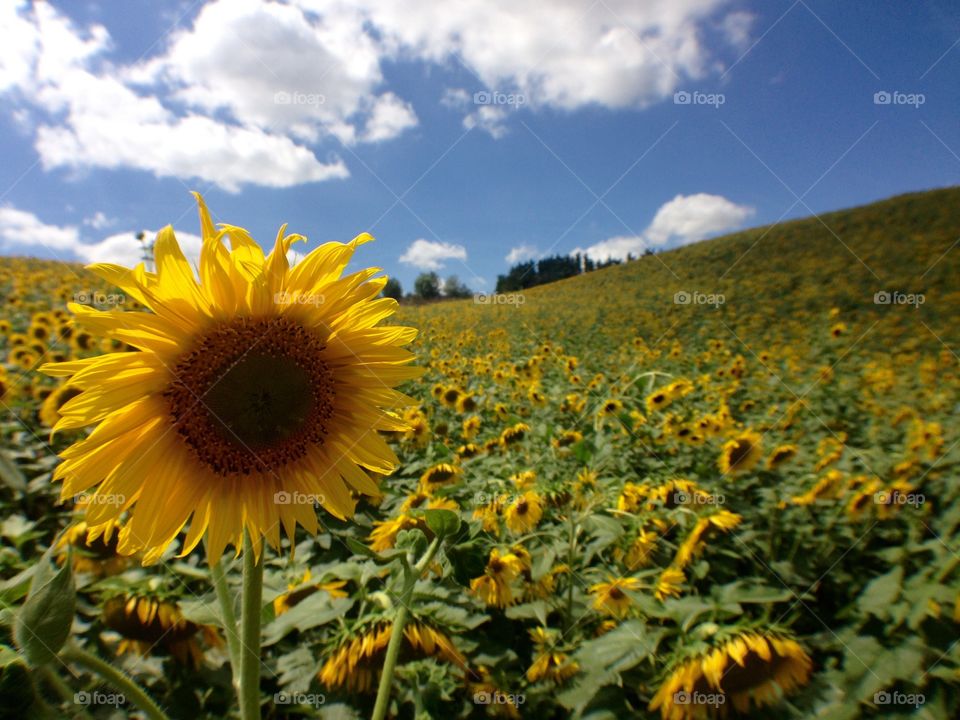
<point>257,391</point>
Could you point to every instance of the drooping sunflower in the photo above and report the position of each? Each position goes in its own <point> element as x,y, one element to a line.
<point>609,597</point>
<point>356,664</point>
<point>749,668</point>
<point>549,664</point>
<point>524,513</point>
<point>494,586</point>
<point>50,408</point>
<point>740,453</point>
<point>297,592</point>
<point>780,455</point>
<point>94,549</point>
<point>256,382</point>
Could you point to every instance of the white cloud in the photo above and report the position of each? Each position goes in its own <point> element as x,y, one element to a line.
<point>98,221</point>
<point>429,255</point>
<point>489,119</point>
<point>22,231</point>
<point>736,28</point>
<point>521,253</point>
<point>681,221</point>
<point>389,117</point>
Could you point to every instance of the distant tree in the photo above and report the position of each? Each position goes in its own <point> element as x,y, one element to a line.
<point>427,286</point>
<point>454,288</point>
<point>393,289</point>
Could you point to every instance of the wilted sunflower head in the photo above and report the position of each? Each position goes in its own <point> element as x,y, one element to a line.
<point>740,453</point>
<point>257,391</point>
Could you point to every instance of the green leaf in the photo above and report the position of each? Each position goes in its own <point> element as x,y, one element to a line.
<point>43,623</point>
<point>316,610</point>
<point>881,592</point>
<point>442,523</point>
<point>11,475</point>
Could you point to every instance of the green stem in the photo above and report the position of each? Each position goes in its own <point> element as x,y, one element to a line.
<point>251,607</point>
<point>225,599</point>
<point>64,691</point>
<point>396,631</point>
<point>120,680</point>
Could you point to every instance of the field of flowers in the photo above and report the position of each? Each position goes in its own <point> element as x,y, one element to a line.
<point>716,482</point>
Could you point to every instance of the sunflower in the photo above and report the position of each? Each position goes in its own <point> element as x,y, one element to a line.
<point>356,664</point>
<point>299,591</point>
<point>657,401</point>
<point>740,453</point>
<point>668,584</point>
<point>258,382</point>
<point>439,475</point>
<point>749,668</point>
<point>524,513</point>
<point>470,427</point>
<point>514,434</point>
<point>494,586</point>
<point>94,549</point>
<point>609,597</point>
<point>722,520</point>
<point>640,550</point>
<point>467,451</point>
<point>385,532</point>
<point>780,455</point>
<point>50,409</point>
<point>146,623</point>
<point>549,664</point>
<point>566,438</point>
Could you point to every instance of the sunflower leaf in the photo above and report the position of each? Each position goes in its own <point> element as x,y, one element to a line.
<point>42,625</point>
<point>443,523</point>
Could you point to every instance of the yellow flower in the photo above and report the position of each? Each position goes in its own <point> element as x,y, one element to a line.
<point>439,475</point>
<point>300,591</point>
<point>668,585</point>
<point>751,668</point>
<point>740,453</point>
<point>524,513</point>
<point>253,395</point>
<point>494,586</point>
<point>780,455</point>
<point>514,434</point>
<point>50,409</point>
<point>609,597</point>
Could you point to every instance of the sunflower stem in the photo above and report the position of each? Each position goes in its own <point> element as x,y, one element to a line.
<point>396,631</point>
<point>120,680</point>
<point>64,691</point>
<point>219,578</point>
<point>251,607</point>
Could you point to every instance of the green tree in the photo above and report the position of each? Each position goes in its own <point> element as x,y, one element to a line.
<point>393,289</point>
<point>427,286</point>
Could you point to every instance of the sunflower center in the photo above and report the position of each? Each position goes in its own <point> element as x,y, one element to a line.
<point>252,395</point>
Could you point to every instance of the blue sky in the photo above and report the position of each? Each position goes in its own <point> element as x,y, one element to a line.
<point>341,118</point>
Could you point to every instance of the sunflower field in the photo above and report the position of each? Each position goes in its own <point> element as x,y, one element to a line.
<point>715,482</point>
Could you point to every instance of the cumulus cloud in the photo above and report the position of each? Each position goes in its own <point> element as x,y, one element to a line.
<point>23,232</point>
<point>430,255</point>
<point>98,221</point>
<point>683,220</point>
<point>521,253</point>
